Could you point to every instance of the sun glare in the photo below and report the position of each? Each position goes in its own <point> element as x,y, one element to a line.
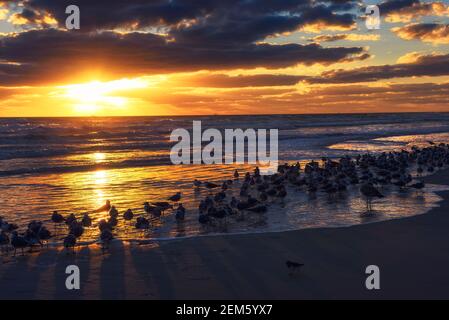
<point>92,97</point>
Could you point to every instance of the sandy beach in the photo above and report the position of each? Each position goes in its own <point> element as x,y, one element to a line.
<point>412,254</point>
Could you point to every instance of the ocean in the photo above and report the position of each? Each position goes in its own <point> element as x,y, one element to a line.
<point>73,165</point>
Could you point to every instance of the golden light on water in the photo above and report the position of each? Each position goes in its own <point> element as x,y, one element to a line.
<point>100,177</point>
<point>99,157</point>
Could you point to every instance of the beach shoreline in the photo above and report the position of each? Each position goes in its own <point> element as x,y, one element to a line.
<point>411,252</point>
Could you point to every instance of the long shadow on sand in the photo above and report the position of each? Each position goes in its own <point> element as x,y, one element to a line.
<point>112,273</point>
<point>151,265</point>
<point>24,272</point>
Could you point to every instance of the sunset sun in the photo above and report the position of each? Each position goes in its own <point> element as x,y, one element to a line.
<point>95,96</point>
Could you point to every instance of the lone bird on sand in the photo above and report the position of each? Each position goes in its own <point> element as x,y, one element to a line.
<point>370,192</point>
<point>293,267</point>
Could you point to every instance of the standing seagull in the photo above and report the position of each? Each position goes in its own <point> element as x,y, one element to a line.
<point>86,221</point>
<point>4,242</point>
<point>104,208</point>
<point>18,242</point>
<point>70,242</point>
<point>370,192</point>
<point>175,197</point>
<point>128,215</point>
<point>418,186</point>
<point>57,218</point>
<point>106,237</point>
<point>197,183</point>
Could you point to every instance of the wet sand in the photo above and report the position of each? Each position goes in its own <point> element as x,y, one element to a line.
<point>412,254</point>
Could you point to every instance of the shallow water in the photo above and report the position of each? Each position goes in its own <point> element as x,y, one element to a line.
<point>74,166</point>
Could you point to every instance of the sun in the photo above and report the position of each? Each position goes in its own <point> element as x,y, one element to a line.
<point>97,96</point>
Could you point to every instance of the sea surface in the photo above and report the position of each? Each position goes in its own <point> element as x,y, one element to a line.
<point>73,165</point>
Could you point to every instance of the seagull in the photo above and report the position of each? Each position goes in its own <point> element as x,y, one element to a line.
<point>70,219</point>
<point>86,221</point>
<point>104,208</point>
<point>197,183</point>
<point>175,197</point>
<point>180,212</point>
<point>113,212</point>
<point>57,217</point>
<point>18,242</point>
<point>128,215</point>
<point>112,221</point>
<point>418,186</point>
<point>70,242</point>
<point>211,185</point>
<point>104,225</point>
<point>369,191</point>
<point>4,241</point>
<point>106,237</point>
<point>293,266</point>
<point>163,205</point>
<point>77,229</point>
<point>153,210</point>
<point>142,223</point>
<point>44,234</point>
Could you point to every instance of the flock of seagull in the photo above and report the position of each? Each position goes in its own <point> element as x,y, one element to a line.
<point>368,171</point>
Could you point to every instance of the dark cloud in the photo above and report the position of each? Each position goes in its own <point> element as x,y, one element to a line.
<point>426,32</point>
<point>407,10</point>
<point>430,65</point>
<point>171,36</point>
<point>49,55</point>
<point>193,21</point>
<point>395,5</point>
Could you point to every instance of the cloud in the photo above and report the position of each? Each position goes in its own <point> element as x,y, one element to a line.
<point>345,36</point>
<point>239,81</point>
<point>316,99</point>
<point>421,65</point>
<point>427,32</point>
<point>202,20</point>
<point>51,55</point>
<point>407,10</point>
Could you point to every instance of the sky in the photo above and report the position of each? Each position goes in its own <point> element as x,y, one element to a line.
<point>192,57</point>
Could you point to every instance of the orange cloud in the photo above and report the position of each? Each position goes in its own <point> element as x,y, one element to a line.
<point>346,36</point>
<point>319,26</point>
<point>426,32</point>
<point>417,10</point>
